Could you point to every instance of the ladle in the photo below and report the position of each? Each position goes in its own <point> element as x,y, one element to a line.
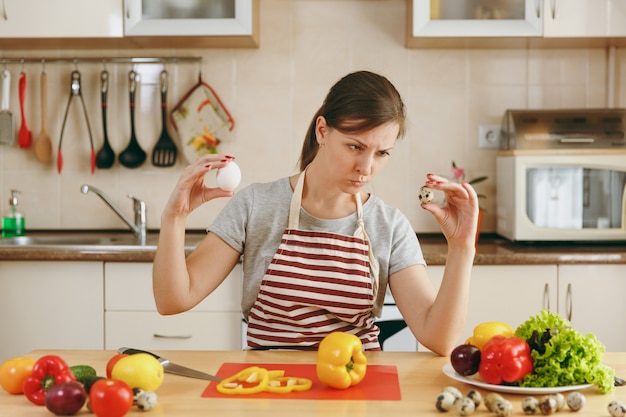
<point>43,144</point>
<point>105,156</point>
<point>133,156</point>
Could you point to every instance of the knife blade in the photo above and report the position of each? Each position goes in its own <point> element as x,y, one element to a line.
<point>172,368</point>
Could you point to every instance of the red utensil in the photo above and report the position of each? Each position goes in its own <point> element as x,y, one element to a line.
<point>25,136</point>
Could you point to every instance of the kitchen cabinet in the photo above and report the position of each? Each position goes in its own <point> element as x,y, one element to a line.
<point>231,22</point>
<point>51,305</point>
<point>61,19</point>
<point>584,18</point>
<point>188,18</point>
<point>444,23</point>
<point>450,18</point>
<point>505,293</point>
<point>104,24</point>
<point>592,296</point>
<point>131,318</point>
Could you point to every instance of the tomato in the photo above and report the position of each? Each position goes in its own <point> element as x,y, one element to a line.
<point>111,363</point>
<point>14,372</point>
<point>110,398</point>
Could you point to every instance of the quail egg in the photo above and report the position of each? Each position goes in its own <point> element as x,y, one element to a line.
<point>426,194</point>
<point>575,401</point>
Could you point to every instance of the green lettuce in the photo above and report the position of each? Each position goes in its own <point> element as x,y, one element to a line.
<point>562,356</point>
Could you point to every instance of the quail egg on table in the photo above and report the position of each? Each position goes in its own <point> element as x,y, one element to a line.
<point>575,401</point>
<point>530,405</point>
<point>502,408</point>
<point>445,401</point>
<point>616,409</point>
<point>475,396</point>
<point>548,405</point>
<point>465,406</point>
<point>147,400</point>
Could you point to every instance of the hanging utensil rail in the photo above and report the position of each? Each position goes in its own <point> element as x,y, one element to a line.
<point>103,60</point>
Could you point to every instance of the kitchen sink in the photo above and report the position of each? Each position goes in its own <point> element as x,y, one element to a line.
<point>87,240</point>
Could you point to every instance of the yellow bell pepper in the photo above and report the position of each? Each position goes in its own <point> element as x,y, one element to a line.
<point>341,362</point>
<point>485,331</point>
<point>247,381</point>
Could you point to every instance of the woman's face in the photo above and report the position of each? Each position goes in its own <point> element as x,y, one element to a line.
<point>352,159</point>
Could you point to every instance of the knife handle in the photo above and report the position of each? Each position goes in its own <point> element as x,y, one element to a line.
<point>132,351</point>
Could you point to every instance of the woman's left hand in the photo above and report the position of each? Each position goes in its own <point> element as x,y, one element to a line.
<point>459,217</point>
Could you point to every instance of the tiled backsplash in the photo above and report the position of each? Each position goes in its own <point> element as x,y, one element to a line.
<point>272,92</point>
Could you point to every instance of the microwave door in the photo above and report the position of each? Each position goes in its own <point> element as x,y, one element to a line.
<point>555,197</point>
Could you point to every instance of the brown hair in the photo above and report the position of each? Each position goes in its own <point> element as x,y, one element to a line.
<point>358,102</point>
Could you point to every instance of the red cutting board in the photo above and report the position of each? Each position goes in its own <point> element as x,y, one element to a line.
<point>380,383</point>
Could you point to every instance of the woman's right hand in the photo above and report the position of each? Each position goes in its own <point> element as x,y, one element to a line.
<point>190,191</point>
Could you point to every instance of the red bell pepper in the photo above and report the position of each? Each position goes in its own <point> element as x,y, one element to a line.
<point>49,370</point>
<point>505,359</point>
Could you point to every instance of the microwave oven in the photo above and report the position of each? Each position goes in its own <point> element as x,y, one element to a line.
<point>561,197</point>
<point>561,176</point>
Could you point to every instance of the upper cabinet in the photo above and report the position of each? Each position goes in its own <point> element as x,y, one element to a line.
<point>475,18</point>
<point>61,19</point>
<point>192,23</point>
<point>96,24</point>
<point>187,17</point>
<point>440,23</point>
<point>584,18</point>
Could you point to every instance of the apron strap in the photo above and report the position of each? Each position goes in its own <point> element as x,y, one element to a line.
<point>296,203</point>
<point>361,233</point>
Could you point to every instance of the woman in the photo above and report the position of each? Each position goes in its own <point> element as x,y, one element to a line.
<point>319,251</point>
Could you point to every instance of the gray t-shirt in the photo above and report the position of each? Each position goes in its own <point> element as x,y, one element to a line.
<point>254,219</point>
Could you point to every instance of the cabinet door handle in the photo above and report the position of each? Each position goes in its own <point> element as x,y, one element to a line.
<point>546,297</point>
<point>538,7</point>
<point>172,336</point>
<point>553,8</point>
<point>569,302</point>
<point>4,11</point>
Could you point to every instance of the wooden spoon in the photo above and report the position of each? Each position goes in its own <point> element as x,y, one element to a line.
<point>43,144</point>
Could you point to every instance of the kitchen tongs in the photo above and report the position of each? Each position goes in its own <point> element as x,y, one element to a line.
<point>76,92</point>
<point>173,368</point>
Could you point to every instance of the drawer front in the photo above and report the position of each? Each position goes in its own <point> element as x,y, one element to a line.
<point>128,287</point>
<point>186,331</point>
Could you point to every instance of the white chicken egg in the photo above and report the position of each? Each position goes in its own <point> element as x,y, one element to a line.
<point>228,177</point>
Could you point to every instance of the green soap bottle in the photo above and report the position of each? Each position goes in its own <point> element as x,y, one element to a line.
<point>13,224</point>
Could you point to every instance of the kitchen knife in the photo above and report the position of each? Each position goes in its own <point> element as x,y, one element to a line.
<point>172,368</point>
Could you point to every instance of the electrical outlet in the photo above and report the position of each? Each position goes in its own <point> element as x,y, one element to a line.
<point>489,136</point>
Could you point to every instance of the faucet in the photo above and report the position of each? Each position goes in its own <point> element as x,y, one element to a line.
<point>139,206</point>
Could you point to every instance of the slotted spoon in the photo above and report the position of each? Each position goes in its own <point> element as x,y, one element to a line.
<point>165,151</point>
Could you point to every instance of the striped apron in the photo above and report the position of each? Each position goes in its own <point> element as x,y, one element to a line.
<point>317,283</point>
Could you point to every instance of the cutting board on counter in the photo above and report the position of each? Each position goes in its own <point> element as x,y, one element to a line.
<point>380,383</point>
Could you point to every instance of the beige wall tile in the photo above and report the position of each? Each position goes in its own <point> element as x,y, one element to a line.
<point>273,92</point>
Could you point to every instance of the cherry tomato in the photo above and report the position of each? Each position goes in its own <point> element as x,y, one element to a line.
<point>110,398</point>
<point>111,363</point>
<point>14,372</point>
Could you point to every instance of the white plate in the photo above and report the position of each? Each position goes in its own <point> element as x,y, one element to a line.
<point>450,372</point>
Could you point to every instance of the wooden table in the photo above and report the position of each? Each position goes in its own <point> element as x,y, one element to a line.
<point>420,378</point>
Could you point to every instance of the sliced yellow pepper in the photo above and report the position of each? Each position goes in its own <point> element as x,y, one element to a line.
<point>485,331</point>
<point>247,381</point>
<point>285,384</point>
<point>268,381</point>
<point>341,362</point>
